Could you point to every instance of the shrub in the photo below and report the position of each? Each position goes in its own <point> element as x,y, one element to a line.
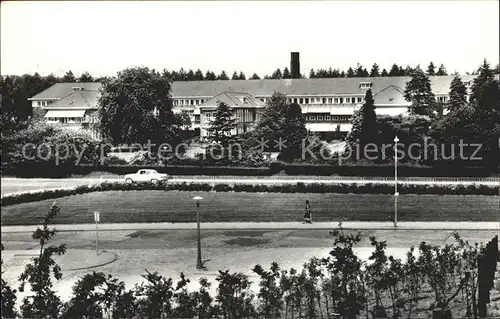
<point>343,188</point>
<point>114,160</point>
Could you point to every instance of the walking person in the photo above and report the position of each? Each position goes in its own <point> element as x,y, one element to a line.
<point>307,214</point>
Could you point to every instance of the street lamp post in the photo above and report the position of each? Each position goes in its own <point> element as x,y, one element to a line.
<point>396,194</point>
<point>199,264</point>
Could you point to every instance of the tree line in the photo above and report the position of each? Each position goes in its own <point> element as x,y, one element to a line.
<point>15,89</point>
<point>128,115</point>
<point>474,120</point>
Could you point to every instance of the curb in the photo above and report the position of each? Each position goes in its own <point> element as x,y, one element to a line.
<point>115,257</point>
<point>403,226</point>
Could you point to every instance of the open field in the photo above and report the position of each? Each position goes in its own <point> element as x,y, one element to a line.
<point>176,206</point>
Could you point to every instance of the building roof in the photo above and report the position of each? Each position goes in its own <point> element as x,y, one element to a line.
<point>233,99</point>
<point>76,100</point>
<point>60,90</point>
<point>329,86</point>
<point>390,95</point>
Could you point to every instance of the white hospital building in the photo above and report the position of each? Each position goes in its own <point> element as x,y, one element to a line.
<point>327,103</point>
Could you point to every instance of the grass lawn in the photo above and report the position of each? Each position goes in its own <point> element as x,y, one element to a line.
<point>175,206</point>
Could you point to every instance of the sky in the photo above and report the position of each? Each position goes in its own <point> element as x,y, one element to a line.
<point>105,37</point>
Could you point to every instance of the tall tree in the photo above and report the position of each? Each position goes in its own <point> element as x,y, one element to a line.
<point>312,74</point>
<point>242,76</point>
<point>210,76</point>
<point>482,81</point>
<point>458,94</point>
<point>477,122</point>
<point>350,73</point>
<point>44,303</point>
<point>286,73</point>
<point>384,73</point>
<point>255,76</point>
<point>407,71</point>
<point>14,92</point>
<point>282,121</point>
<point>441,70</point>
<point>235,76</point>
<point>431,69</point>
<point>198,75</point>
<point>364,129</point>
<point>277,74</point>
<point>136,107</point>
<point>182,75</point>
<point>485,101</point>
<point>336,73</point>
<point>294,132</point>
<point>418,92</point>
<point>394,71</point>
<point>223,76</point>
<point>220,130</point>
<point>375,71</point>
<point>190,75</point>
<point>360,71</point>
<point>321,73</point>
<point>68,77</point>
<point>85,77</point>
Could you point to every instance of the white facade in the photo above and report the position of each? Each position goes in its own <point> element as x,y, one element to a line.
<point>71,105</point>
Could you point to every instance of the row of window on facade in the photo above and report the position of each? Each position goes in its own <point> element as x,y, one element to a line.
<point>189,102</point>
<point>65,120</point>
<point>242,115</point>
<point>42,103</point>
<point>298,100</point>
<point>328,118</point>
<point>323,100</point>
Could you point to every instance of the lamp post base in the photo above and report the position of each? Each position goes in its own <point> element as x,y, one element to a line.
<point>199,265</point>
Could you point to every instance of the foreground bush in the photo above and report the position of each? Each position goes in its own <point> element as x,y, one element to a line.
<point>342,188</point>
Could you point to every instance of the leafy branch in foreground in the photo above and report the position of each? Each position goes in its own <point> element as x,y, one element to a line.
<point>8,297</point>
<point>38,274</point>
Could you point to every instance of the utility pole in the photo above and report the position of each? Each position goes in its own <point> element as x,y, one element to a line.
<point>199,263</point>
<point>396,194</point>
<point>96,219</point>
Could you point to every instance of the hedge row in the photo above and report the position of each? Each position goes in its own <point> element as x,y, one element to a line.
<point>387,170</point>
<point>382,170</point>
<point>66,171</point>
<point>368,188</point>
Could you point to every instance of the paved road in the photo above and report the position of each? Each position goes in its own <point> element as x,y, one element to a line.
<point>21,185</point>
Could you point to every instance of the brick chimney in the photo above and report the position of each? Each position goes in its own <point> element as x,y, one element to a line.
<point>295,65</point>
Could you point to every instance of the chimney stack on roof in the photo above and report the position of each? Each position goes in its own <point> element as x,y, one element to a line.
<point>295,65</point>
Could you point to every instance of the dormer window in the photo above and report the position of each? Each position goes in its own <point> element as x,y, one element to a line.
<point>365,85</point>
<point>77,88</point>
<point>243,99</point>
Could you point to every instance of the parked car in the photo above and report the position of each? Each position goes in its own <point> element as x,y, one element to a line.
<point>146,175</point>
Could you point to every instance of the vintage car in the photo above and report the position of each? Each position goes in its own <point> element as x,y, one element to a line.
<point>146,176</point>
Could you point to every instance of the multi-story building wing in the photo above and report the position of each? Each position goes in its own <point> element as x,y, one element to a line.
<point>60,90</point>
<point>327,104</point>
<point>73,105</point>
<point>245,109</point>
